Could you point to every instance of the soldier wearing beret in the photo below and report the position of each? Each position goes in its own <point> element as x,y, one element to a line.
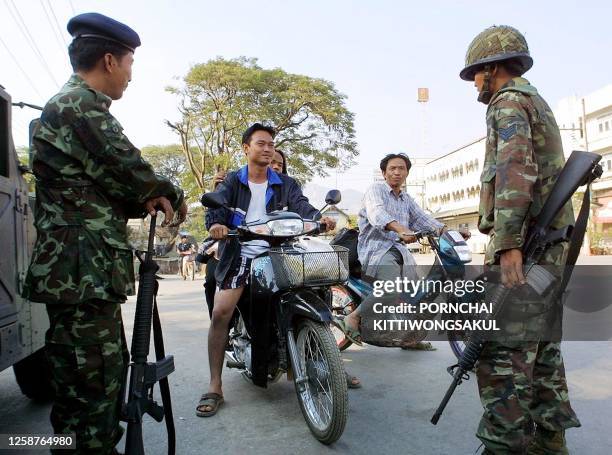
<point>89,180</point>
<point>522,383</point>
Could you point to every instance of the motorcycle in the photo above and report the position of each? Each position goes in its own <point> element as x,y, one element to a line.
<point>282,325</point>
<point>451,255</point>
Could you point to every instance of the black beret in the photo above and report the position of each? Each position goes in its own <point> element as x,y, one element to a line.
<point>95,25</point>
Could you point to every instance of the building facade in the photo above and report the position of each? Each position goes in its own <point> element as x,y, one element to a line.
<point>452,188</point>
<point>596,107</point>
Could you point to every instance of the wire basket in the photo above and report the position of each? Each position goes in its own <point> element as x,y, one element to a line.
<point>294,268</point>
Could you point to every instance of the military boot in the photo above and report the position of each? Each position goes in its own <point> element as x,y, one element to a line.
<point>546,442</point>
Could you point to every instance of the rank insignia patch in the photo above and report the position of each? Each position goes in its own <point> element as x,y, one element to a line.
<point>507,133</point>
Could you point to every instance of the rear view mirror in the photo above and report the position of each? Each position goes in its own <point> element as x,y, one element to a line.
<point>333,197</point>
<point>213,200</point>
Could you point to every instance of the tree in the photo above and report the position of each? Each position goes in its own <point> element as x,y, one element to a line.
<point>195,225</point>
<point>23,155</point>
<point>167,160</point>
<point>219,99</point>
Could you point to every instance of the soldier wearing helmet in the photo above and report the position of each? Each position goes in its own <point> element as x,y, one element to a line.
<point>521,381</point>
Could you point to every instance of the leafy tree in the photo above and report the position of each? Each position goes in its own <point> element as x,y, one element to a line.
<point>195,224</point>
<point>353,221</point>
<point>219,99</point>
<point>167,160</point>
<point>23,155</point>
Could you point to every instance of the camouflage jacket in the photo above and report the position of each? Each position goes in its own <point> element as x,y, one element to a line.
<point>89,180</point>
<point>523,159</point>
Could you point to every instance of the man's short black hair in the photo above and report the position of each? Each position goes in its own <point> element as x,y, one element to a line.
<point>183,236</point>
<point>390,156</point>
<point>246,136</point>
<point>513,67</point>
<point>84,53</point>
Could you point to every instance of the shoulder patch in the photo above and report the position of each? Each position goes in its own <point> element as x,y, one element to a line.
<point>507,133</point>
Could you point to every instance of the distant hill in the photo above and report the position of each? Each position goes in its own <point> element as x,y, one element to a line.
<point>351,199</point>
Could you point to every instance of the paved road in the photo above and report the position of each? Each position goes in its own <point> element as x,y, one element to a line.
<point>390,414</point>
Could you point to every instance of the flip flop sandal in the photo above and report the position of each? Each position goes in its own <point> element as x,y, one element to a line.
<point>353,335</point>
<point>212,400</point>
<point>420,346</point>
<point>350,381</point>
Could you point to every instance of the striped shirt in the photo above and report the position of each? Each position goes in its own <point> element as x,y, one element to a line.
<point>380,207</point>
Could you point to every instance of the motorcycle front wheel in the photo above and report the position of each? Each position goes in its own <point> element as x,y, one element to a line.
<point>324,398</point>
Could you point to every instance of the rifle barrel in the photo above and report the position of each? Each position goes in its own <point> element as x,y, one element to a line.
<point>449,393</point>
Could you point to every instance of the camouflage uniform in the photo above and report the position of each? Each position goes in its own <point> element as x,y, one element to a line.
<point>90,180</point>
<point>522,384</point>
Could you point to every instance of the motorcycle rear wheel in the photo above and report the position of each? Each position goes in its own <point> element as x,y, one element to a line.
<point>324,400</point>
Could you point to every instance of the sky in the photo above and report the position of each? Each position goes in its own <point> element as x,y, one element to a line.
<point>377,53</point>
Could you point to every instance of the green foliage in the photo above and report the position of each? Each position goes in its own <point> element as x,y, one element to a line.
<point>195,224</point>
<point>23,155</point>
<point>167,160</point>
<point>219,99</point>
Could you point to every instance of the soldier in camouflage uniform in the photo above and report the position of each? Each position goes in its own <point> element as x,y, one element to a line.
<point>89,180</point>
<point>521,383</point>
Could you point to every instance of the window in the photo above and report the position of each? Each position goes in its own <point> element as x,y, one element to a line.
<point>607,125</point>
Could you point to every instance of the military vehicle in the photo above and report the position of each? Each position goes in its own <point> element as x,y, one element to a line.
<point>22,324</point>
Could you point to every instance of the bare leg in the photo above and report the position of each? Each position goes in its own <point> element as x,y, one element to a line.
<point>353,320</point>
<point>390,268</point>
<point>225,303</point>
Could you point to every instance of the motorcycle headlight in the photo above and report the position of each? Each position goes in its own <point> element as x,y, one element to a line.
<point>464,253</point>
<point>283,228</point>
<point>310,226</point>
<point>262,229</point>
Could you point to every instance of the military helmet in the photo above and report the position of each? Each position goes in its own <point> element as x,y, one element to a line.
<point>496,44</point>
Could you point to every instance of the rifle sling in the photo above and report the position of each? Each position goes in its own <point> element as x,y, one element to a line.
<point>576,240</point>
<point>164,386</point>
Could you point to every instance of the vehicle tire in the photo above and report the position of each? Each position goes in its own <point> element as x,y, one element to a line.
<point>33,375</point>
<point>342,305</point>
<point>324,400</point>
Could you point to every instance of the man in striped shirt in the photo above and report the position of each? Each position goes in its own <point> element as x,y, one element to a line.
<point>387,220</point>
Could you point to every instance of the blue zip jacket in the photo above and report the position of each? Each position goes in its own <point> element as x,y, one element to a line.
<point>283,193</point>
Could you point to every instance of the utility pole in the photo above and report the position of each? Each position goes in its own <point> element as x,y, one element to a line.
<point>423,98</point>
<point>586,243</point>
<point>584,125</point>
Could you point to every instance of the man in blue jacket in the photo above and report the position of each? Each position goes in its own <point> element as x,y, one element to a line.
<point>252,191</point>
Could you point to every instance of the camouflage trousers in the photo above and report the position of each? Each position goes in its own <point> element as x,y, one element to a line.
<point>88,355</point>
<point>524,393</point>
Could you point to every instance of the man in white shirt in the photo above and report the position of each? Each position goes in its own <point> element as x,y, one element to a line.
<point>252,192</point>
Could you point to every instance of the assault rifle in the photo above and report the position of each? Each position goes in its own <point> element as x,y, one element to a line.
<point>144,375</point>
<point>582,168</point>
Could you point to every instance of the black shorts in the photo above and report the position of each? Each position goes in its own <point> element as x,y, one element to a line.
<point>237,277</point>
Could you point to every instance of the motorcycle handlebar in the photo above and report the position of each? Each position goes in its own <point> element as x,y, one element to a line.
<point>422,234</point>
